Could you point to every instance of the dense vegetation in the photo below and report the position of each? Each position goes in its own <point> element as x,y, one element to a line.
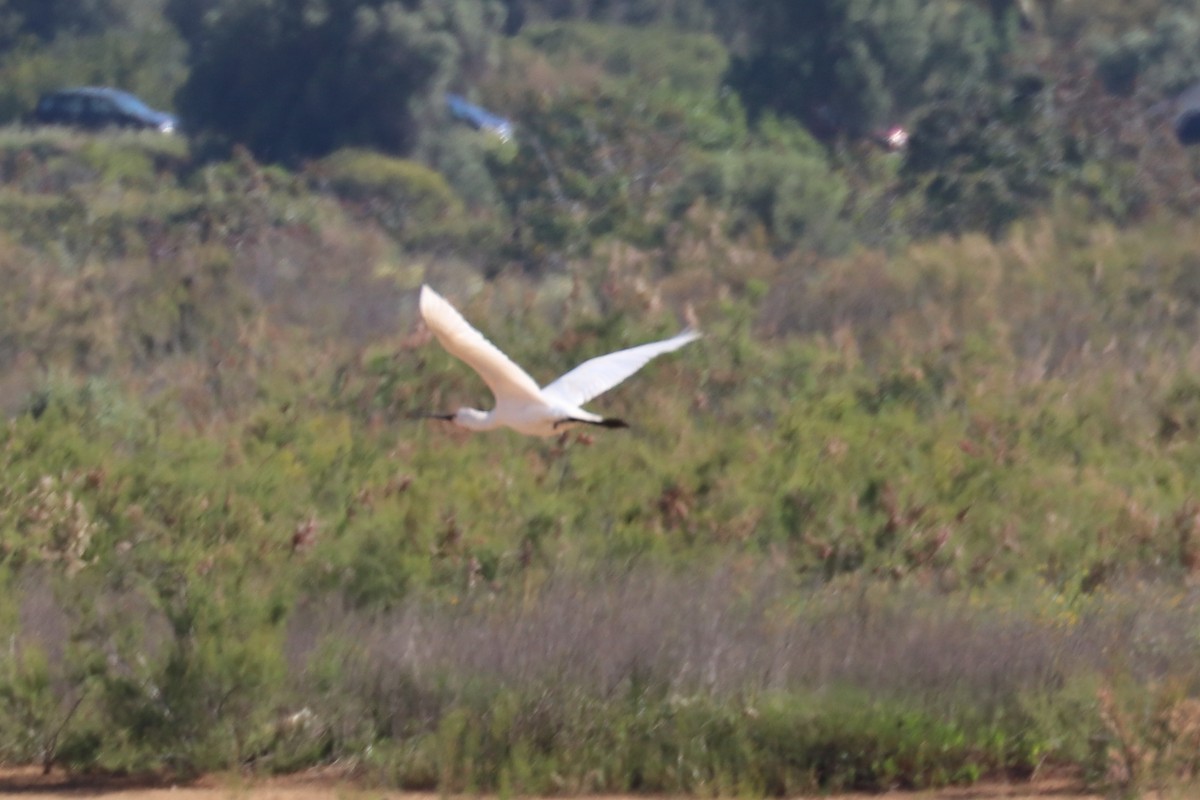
<point>921,507</point>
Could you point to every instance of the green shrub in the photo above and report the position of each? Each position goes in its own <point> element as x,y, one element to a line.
<point>649,56</point>
<point>402,195</point>
<point>1159,57</point>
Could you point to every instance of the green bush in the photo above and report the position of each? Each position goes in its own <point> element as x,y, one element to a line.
<point>650,56</point>
<point>1156,59</point>
<point>401,195</point>
<point>984,159</point>
<point>797,198</point>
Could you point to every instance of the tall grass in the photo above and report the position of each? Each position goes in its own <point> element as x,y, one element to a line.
<point>728,681</point>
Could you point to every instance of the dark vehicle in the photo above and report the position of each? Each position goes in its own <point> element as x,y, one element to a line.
<point>96,108</point>
<point>1187,116</point>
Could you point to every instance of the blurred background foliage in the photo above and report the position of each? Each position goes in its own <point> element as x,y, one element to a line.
<point>945,398</point>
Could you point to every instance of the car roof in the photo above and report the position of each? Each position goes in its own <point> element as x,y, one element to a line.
<point>96,91</point>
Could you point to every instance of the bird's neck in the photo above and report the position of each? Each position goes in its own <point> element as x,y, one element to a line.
<point>475,420</point>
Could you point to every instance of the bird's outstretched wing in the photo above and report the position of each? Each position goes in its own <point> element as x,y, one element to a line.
<point>598,375</point>
<point>502,375</point>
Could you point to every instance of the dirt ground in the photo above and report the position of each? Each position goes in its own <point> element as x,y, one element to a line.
<point>30,784</point>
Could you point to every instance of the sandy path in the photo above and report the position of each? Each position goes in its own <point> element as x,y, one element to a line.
<point>30,784</point>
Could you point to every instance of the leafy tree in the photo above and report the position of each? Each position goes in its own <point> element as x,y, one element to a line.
<point>45,19</point>
<point>292,79</point>
<point>1072,22</point>
<point>1160,57</point>
<point>781,181</point>
<point>846,66</point>
<point>692,15</point>
<point>982,160</point>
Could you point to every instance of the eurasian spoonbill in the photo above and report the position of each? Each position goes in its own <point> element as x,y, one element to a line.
<point>520,404</point>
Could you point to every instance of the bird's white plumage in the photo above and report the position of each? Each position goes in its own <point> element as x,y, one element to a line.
<point>499,372</point>
<point>596,376</point>
<point>520,404</point>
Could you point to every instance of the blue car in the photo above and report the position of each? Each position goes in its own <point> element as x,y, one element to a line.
<point>96,108</point>
<point>479,118</point>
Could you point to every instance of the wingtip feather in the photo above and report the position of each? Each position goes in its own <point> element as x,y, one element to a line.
<point>687,336</point>
<point>435,309</point>
<point>426,297</point>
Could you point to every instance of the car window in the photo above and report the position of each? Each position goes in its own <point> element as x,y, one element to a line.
<point>131,105</point>
<point>70,104</point>
<point>99,106</point>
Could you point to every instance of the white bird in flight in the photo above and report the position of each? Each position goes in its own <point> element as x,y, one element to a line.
<point>520,404</point>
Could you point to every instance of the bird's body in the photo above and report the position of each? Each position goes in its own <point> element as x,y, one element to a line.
<point>520,404</point>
